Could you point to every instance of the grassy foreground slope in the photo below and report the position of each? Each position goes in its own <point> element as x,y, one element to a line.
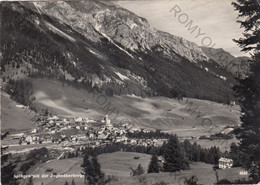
<point>119,163</point>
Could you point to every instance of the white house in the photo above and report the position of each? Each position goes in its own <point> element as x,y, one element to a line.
<point>51,122</point>
<point>34,131</point>
<point>91,136</point>
<point>79,119</point>
<point>53,118</point>
<point>102,136</point>
<point>29,139</point>
<point>225,163</point>
<point>133,142</point>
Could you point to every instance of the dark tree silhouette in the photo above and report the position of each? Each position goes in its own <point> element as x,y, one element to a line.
<point>98,175</point>
<point>153,165</point>
<point>30,181</point>
<point>249,89</point>
<point>174,155</point>
<point>249,11</point>
<point>7,167</point>
<point>191,181</point>
<point>138,171</point>
<point>92,170</point>
<point>235,154</point>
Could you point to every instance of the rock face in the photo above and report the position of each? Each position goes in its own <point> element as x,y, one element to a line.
<point>103,46</point>
<point>239,66</point>
<point>122,26</point>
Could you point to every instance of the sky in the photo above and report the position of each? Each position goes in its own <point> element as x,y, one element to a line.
<point>215,18</point>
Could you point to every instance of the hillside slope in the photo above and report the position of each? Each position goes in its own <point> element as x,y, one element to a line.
<point>13,117</point>
<point>103,46</point>
<point>155,113</point>
<point>238,66</point>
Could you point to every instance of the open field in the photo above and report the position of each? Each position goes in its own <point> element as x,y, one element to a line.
<point>12,117</point>
<point>224,145</point>
<point>119,163</point>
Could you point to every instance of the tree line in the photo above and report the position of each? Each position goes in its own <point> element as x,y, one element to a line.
<point>148,135</point>
<point>192,152</point>
<point>174,155</point>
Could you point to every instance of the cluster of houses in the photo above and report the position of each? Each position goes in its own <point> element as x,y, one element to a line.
<point>54,124</point>
<point>54,129</point>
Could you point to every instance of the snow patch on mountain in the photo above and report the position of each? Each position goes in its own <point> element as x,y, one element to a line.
<point>59,32</point>
<point>122,77</point>
<point>95,53</point>
<point>110,40</point>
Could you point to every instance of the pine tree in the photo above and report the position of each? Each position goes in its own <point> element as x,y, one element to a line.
<point>248,91</point>
<point>30,181</point>
<point>249,11</point>
<point>138,171</point>
<point>87,168</point>
<point>97,169</point>
<point>73,182</point>
<point>153,165</point>
<point>92,170</point>
<point>195,151</point>
<point>86,161</point>
<point>235,154</point>
<point>193,180</point>
<point>174,155</point>
<point>7,168</point>
<point>254,173</point>
<point>188,149</point>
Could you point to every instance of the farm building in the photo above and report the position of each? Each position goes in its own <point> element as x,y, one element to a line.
<point>225,163</point>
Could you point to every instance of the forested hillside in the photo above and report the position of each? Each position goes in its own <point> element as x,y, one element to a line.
<point>40,45</point>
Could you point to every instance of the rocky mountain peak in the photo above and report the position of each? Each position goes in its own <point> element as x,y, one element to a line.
<point>121,26</point>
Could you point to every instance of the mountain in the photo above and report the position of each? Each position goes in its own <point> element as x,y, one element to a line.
<point>238,66</point>
<point>103,46</point>
<point>120,26</point>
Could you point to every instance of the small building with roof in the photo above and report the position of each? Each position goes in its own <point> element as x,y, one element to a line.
<point>224,163</point>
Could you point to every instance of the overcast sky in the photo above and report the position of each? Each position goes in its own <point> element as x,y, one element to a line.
<point>215,18</point>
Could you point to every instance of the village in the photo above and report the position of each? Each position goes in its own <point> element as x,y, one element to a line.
<point>66,138</point>
<point>69,132</point>
<point>72,134</point>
